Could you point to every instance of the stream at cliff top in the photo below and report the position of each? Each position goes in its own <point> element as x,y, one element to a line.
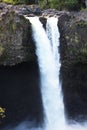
<point>47,43</point>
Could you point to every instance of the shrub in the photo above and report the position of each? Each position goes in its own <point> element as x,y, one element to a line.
<point>19,1</point>
<point>57,4</point>
<point>71,4</point>
<point>60,4</point>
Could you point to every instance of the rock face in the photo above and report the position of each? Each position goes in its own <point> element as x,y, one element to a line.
<point>73,51</point>
<point>73,39</point>
<point>16,42</point>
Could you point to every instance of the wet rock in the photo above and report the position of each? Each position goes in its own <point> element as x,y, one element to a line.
<point>43,21</point>
<point>1,6</point>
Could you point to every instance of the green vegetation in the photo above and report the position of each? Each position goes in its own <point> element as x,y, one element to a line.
<point>61,4</point>
<point>57,4</point>
<point>2,112</point>
<point>1,52</point>
<point>19,1</point>
<point>71,4</point>
<point>82,24</point>
<point>14,1</point>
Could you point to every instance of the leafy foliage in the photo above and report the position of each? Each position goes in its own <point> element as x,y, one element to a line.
<point>61,4</point>
<point>19,1</point>
<point>72,4</point>
<point>57,4</point>
<point>2,112</point>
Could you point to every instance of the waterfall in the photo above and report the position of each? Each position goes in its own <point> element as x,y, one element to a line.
<point>47,53</point>
<point>47,43</point>
<point>53,35</point>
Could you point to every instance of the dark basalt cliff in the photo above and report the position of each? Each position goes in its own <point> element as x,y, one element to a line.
<point>16,42</point>
<point>73,51</point>
<point>73,38</point>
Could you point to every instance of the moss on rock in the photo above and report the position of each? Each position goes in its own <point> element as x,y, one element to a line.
<point>1,50</point>
<point>16,44</point>
<point>73,40</point>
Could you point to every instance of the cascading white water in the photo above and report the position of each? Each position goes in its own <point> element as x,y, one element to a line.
<point>53,35</point>
<point>49,71</point>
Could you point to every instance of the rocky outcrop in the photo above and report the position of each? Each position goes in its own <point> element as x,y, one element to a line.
<point>16,42</point>
<point>73,38</point>
<point>73,51</point>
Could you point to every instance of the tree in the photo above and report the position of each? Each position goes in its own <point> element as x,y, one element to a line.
<point>82,3</point>
<point>47,2</point>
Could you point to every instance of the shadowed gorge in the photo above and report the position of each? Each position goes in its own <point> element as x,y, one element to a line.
<point>20,93</point>
<point>74,83</point>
